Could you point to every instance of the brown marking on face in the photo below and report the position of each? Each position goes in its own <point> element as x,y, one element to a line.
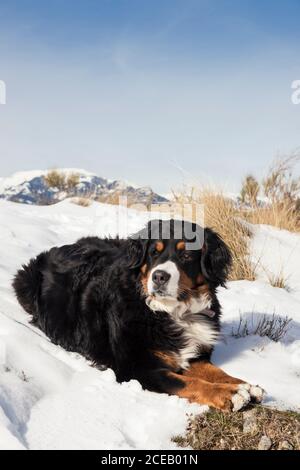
<point>159,246</point>
<point>185,285</point>
<point>180,245</point>
<point>200,279</point>
<point>169,359</point>
<point>207,371</point>
<point>191,289</point>
<point>196,390</point>
<point>144,278</point>
<point>144,269</point>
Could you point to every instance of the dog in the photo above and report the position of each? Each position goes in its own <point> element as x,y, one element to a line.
<point>145,306</point>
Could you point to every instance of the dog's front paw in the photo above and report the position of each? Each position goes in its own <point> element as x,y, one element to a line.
<point>246,393</point>
<point>257,393</point>
<point>241,398</point>
<point>235,397</point>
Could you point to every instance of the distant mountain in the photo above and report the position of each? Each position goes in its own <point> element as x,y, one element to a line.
<point>30,187</point>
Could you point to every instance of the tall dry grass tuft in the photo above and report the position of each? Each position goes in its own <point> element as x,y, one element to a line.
<point>282,189</point>
<point>72,180</point>
<point>221,215</point>
<point>280,183</point>
<point>62,181</point>
<point>283,215</point>
<point>250,190</point>
<point>278,280</point>
<point>55,179</point>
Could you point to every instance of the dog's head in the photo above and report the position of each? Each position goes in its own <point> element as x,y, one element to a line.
<point>180,264</point>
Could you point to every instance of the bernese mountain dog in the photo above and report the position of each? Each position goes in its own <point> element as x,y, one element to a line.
<point>145,306</point>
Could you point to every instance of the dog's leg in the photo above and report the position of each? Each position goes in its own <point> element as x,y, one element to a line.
<point>205,370</point>
<point>224,396</point>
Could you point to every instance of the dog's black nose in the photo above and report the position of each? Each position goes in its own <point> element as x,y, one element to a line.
<point>160,277</point>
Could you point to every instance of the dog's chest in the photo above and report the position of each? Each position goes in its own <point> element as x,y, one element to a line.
<point>192,320</point>
<point>197,333</point>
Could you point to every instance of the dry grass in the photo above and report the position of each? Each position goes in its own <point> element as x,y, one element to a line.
<point>273,326</point>
<point>250,190</point>
<point>278,280</point>
<point>55,179</point>
<point>62,181</point>
<point>280,184</point>
<point>225,431</point>
<point>132,200</point>
<point>282,189</point>
<point>82,201</point>
<point>112,198</point>
<point>72,180</point>
<point>282,215</point>
<point>221,214</point>
<point>282,210</point>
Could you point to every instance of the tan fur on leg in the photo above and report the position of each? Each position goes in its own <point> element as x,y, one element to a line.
<point>210,373</point>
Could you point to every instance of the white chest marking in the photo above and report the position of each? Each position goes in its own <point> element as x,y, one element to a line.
<point>196,333</point>
<point>197,329</point>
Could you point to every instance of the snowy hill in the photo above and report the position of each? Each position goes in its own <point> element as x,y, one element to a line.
<point>30,187</point>
<point>52,399</point>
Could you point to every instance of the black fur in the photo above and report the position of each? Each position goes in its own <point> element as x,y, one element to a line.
<point>216,258</point>
<point>87,297</point>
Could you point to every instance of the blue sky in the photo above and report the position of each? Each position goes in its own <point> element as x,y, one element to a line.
<point>155,92</point>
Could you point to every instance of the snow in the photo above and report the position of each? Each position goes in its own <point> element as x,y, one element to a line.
<point>53,399</point>
<point>277,251</point>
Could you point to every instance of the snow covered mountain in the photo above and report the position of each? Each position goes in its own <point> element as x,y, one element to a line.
<point>30,187</point>
<point>54,399</point>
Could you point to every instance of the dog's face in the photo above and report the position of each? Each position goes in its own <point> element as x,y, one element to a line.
<point>180,264</point>
<point>171,270</point>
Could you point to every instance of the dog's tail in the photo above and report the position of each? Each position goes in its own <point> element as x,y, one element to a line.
<point>27,284</point>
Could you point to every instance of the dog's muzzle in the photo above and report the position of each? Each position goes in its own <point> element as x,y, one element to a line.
<point>160,281</point>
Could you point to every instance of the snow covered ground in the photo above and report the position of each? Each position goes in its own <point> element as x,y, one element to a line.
<point>51,399</point>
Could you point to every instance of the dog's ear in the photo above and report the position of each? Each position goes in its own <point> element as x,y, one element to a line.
<point>215,258</point>
<point>136,252</point>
